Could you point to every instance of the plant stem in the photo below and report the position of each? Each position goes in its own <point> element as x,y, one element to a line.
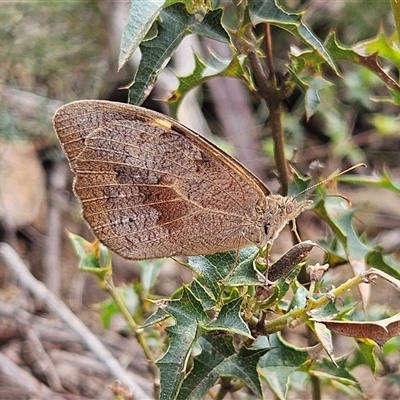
<point>275,110</point>
<point>267,88</point>
<point>227,386</point>
<point>110,288</point>
<point>300,315</point>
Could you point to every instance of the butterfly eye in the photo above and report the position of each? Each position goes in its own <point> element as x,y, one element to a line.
<point>266,228</point>
<point>289,207</point>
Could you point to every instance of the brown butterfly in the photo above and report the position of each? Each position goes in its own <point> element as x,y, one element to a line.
<point>149,187</point>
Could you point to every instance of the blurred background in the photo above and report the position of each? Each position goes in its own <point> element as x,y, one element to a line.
<point>55,52</point>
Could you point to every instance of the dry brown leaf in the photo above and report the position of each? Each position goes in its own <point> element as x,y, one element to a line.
<point>379,331</point>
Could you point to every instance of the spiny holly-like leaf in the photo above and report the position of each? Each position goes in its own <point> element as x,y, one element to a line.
<point>243,273</point>
<point>229,319</point>
<point>202,294</point>
<point>149,273</point>
<point>210,26</point>
<point>312,99</point>
<point>376,258</point>
<point>302,61</point>
<point>219,358</point>
<point>339,216</point>
<point>203,71</point>
<point>324,336</point>
<point>93,256</point>
<point>367,348</point>
<point>336,372</point>
<point>187,312</point>
<point>141,17</point>
<point>383,181</point>
<point>269,11</point>
<point>194,6</point>
<point>174,23</point>
<point>298,184</point>
<point>226,268</point>
<point>340,52</point>
<point>280,363</point>
<point>386,47</point>
<point>311,86</point>
<point>156,318</point>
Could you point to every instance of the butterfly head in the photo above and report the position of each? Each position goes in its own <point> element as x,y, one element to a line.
<point>273,216</point>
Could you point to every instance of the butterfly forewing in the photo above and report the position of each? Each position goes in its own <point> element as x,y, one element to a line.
<point>149,187</point>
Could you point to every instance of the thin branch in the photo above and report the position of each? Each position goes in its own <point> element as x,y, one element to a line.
<point>270,57</point>
<point>55,305</point>
<point>52,257</point>
<point>267,87</point>
<point>18,377</point>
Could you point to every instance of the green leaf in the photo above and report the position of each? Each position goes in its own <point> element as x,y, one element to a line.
<point>93,256</point>
<point>312,100</point>
<point>229,319</point>
<point>203,71</point>
<point>188,313</point>
<point>339,52</point>
<point>109,308</point>
<point>243,273</point>
<point>336,372</point>
<point>219,358</point>
<point>386,47</point>
<point>269,11</point>
<point>367,348</point>
<point>174,23</point>
<point>281,288</point>
<point>387,125</point>
<point>394,99</point>
<point>383,181</point>
<point>226,268</point>
<point>277,366</point>
<point>300,297</point>
<point>311,85</point>
<point>141,17</point>
<point>324,336</point>
<point>149,273</point>
<point>298,184</point>
<point>329,310</point>
<point>202,294</point>
<point>339,216</point>
<point>376,258</point>
<point>157,317</point>
<point>391,346</point>
<point>210,26</point>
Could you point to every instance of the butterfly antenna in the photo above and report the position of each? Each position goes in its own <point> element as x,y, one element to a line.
<point>331,178</point>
